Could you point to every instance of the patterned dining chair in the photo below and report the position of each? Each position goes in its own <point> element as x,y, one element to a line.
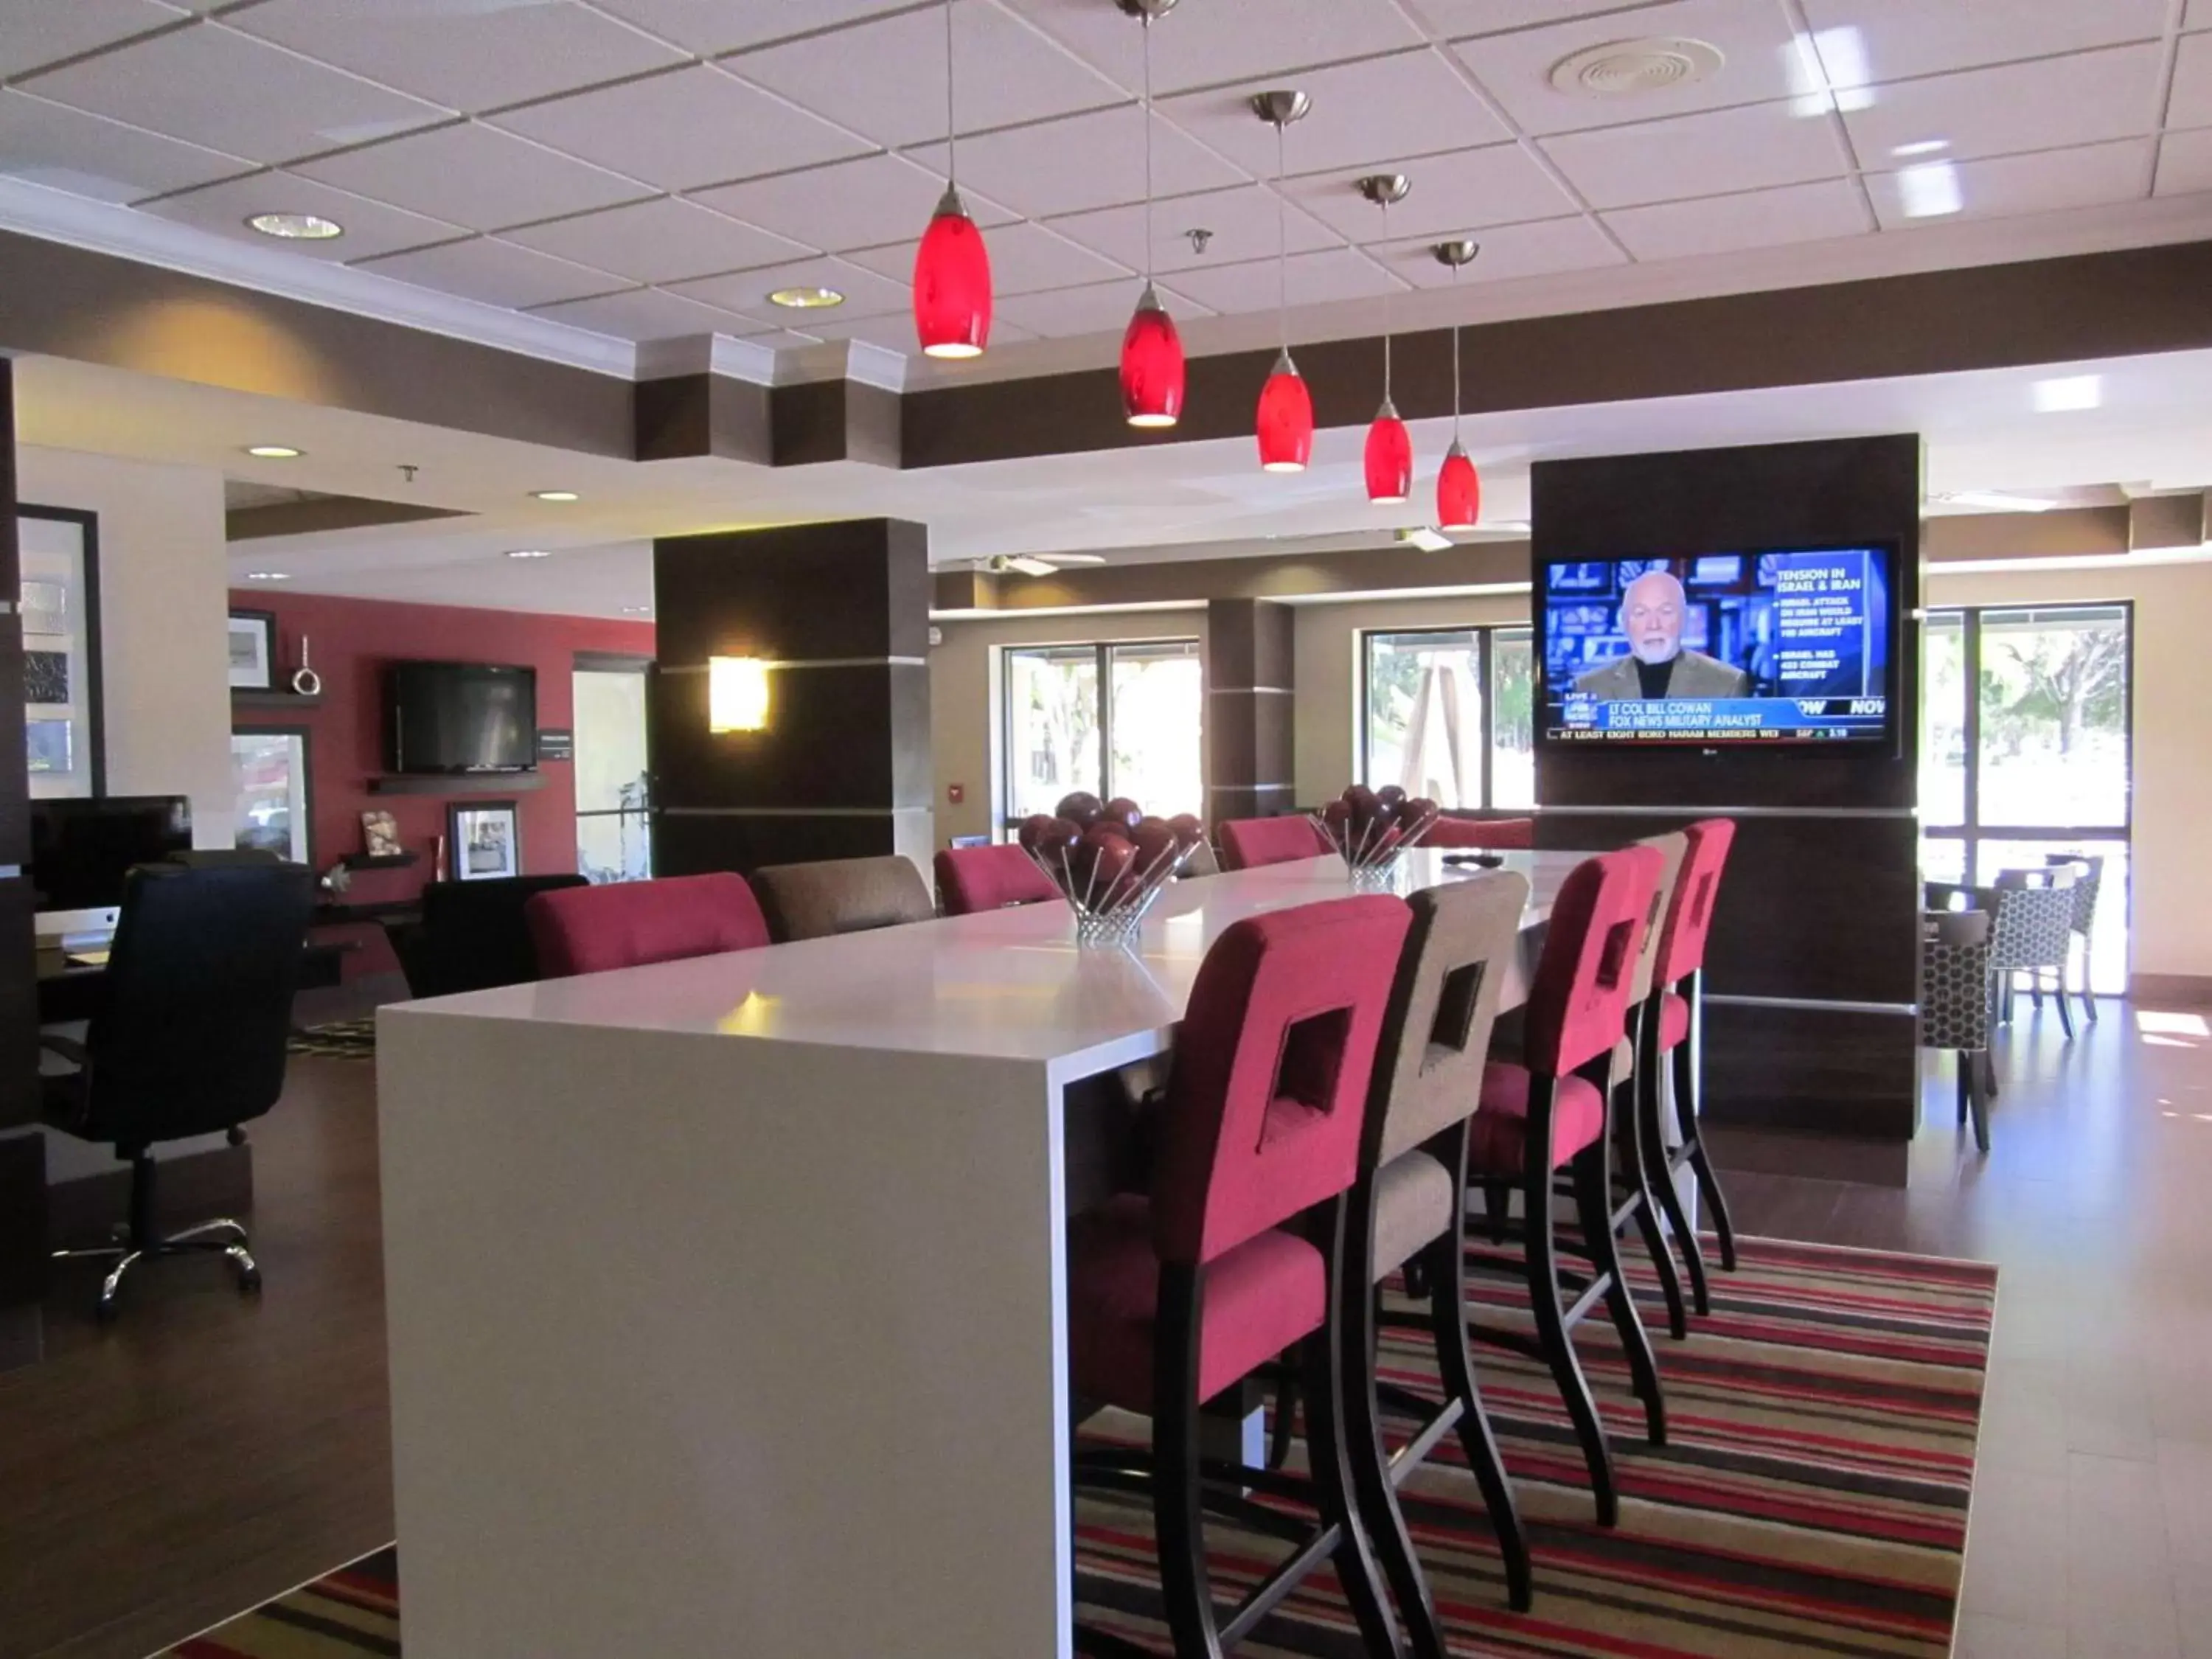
<point>1955,1005</point>
<point>2032,934</point>
<point>2088,882</point>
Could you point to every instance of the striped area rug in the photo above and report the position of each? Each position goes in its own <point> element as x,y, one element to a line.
<point>343,1039</point>
<point>1812,1499</point>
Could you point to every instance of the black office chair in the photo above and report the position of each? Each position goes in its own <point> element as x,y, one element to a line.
<point>471,936</point>
<point>189,1036</point>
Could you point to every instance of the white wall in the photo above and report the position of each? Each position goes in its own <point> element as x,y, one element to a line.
<point>163,583</point>
<point>964,714</point>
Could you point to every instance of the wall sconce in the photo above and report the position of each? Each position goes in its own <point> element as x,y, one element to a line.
<point>737,694</point>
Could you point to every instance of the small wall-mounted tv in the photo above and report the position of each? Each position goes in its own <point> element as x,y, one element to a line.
<point>1739,647</point>
<point>460,717</point>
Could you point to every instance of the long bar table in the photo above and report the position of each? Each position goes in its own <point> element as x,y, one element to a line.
<point>727,1296</point>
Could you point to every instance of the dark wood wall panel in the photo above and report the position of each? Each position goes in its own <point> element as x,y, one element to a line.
<point>22,1156</point>
<point>843,768</point>
<point>1821,905</point>
<point>1250,672</point>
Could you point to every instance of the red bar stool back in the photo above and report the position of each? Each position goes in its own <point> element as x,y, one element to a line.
<point>628,924</point>
<point>1248,843</point>
<point>972,879</point>
<point>1174,1297</point>
<point>1507,833</point>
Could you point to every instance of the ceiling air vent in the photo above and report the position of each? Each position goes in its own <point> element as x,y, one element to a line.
<point>1620,69</point>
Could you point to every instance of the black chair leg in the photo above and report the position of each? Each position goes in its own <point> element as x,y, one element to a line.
<point>1645,1207</point>
<point>1965,1083</point>
<point>1683,1087</point>
<point>1447,1260</point>
<point>1373,1494</point>
<point>1287,1404</point>
<point>1541,1262</point>
<point>1497,1204</point>
<point>1593,1199</point>
<point>1660,1184</point>
<point>2065,1017</point>
<point>1178,1526</point>
<point>1989,1074</point>
<point>1971,1078</point>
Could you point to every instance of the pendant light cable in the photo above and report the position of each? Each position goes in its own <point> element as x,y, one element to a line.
<point>1455,282</point>
<point>951,129</point>
<point>1282,246</point>
<point>1386,307</point>
<point>1147,17</point>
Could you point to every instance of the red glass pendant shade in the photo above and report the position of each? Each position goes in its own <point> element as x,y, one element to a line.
<point>1389,457</point>
<point>1459,491</point>
<point>953,284</point>
<point>1285,421</point>
<point>1152,366</point>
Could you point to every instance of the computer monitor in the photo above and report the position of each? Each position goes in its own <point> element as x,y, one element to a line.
<point>82,849</point>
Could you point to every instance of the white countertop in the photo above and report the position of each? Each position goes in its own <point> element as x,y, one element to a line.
<point>1006,984</point>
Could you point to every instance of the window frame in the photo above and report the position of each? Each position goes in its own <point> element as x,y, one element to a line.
<point>1485,669</point>
<point>1103,687</point>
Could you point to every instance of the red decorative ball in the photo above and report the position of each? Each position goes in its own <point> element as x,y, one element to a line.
<point>1188,830</point>
<point>1156,840</point>
<point>1390,794</point>
<point>1034,831</point>
<point>1125,810</point>
<point>1081,807</point>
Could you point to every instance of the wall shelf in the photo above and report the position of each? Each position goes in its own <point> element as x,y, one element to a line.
<point>379,860</point>
<point>242,698</point>
<point>456,783</point>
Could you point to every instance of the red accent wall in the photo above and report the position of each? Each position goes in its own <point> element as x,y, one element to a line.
<point>350,641</point>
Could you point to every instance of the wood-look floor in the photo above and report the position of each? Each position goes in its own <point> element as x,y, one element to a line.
<point>208,1453</point>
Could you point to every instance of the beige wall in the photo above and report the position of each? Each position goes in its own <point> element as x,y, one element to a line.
<point>962,711</point>
<point>2172,902</point>
<point>163,585</point>
<point>1329,666</point>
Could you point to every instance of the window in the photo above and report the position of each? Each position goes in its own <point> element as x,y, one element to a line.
<point>1445,713</point>
<point>2025,750</point>
<point>614,823</point>
<point>1115,719</point>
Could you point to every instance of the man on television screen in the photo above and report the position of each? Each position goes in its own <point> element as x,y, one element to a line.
<point>1656,664</point>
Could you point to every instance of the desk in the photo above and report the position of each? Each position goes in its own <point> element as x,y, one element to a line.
<point>725,1297</point>
<point>71,990</point>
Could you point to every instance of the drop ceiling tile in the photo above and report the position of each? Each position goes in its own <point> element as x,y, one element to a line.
<point>1026,258</point>
<point>65,148</point>
<point>1242,221</point>
<point>1094,308</point>
<point>2190,102</point>
<point>35,32</point>
<point>1311,278</point>
<point>1202,45</point>
<point>645,314</point>
<point>866,293</point>
<point>1704,155</point>
<point>2184,163</point>
<point>1383,110</point>
<point>2045,105</point>
<point>2088,176</point>
<point>1900,38</point>
<point>1756,218</point>
<point>371,227</point>
<point>708,27</point>
<point>1754,36</point>
<point>1083,161</point>
<point>847,205</point>
<point>193,84</point>
<point>1498,184</point>
<point>497,273</point>
<point>468,58</point>
<point>475,176</point>
<point>1453,20</point>
<point>2198,17</point>
<point>1544,249</point>
<point>885,79</point>
<point>663,241</point>
<point>696,127</point>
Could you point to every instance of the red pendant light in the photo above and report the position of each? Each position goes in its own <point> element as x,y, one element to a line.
<point>952,268</point>
<point>1152,366</point>
<point>1459,491</point>
<point>1390,455</point>
<point>1152,351</point>
<point>1459,488</point>
<point>1285,421</point>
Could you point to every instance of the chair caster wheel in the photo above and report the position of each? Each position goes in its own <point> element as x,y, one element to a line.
<point>105,1310</point>
<point>249,1281</point>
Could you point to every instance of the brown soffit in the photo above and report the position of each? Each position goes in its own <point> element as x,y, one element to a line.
<point>323,513</point>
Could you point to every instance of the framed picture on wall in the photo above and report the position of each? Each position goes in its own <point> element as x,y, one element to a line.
<point>274,780</point>
<point>252,650</point>
<point>60,603</point>
<point>486,839</point>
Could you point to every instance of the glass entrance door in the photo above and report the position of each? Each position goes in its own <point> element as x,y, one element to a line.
<point>614,828</point>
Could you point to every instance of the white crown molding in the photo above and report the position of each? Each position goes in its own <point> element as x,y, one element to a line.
<point>706,354</point>
<point>102,227</point>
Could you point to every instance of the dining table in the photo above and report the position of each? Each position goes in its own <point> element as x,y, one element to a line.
<point>727,1296</point>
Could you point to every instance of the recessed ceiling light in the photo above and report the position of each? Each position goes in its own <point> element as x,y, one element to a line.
<point>296,226</point>
<point>807,299</point>
<point>1930,190</point>
<point>528,553</point>
<point>273,451</point>
<point>557,496</point>
<point>1995,500</point>
<point>1427,538</point>
<point>637,611</point>
<point>1924,147</point>
<point>2068,392</point>
<point>268,576</point>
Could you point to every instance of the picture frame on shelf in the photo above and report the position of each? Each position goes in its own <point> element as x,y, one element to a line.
<point>379,836</point>
<point>485,837</point>
<point>252,650</point>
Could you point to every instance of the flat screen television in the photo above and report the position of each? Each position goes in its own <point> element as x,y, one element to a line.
<point>460,717</point>
<point>1737,647</point>
<point>82,849</point>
